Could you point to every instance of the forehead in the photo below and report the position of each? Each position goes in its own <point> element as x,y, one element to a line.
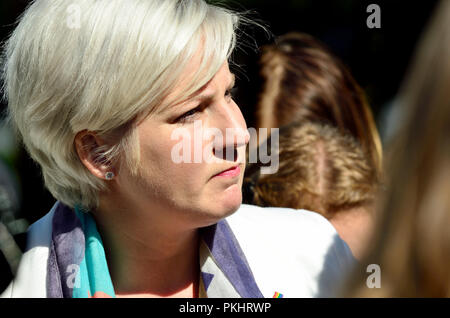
<point>222,79</point>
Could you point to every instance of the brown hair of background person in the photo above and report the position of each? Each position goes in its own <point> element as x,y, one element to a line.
<point>413,245</point>
<point>321,170</point>
<point>302,79</point>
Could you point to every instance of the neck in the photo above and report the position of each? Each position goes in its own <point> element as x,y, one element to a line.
<point>148,258</point>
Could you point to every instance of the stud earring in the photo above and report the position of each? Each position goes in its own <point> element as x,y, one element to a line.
<point>109,175</point>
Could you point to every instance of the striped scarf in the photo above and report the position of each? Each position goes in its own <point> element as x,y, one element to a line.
<point>77,266</point>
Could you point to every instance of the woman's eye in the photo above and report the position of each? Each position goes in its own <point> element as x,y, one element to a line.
<point>183,118</point>
<point>230,92</point>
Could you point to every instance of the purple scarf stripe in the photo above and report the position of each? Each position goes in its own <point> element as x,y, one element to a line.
<point>207,279</point>
<point>231,260</point>
<point>66,253</point>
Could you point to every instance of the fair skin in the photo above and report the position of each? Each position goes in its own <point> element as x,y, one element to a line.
<point>355,227</point>
<point>149,223</point>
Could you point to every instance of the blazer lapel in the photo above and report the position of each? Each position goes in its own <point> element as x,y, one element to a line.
<point>224,268</point>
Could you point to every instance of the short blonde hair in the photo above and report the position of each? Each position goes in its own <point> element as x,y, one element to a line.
<point>321,169</point>
<point>101,66</point>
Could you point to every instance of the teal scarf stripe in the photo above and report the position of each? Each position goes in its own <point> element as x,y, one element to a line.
<point>93,276</point>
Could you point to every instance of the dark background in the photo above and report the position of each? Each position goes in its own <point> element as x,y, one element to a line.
<point>377,58</point>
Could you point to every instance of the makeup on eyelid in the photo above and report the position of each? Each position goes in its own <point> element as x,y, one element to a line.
<point>183,118</point>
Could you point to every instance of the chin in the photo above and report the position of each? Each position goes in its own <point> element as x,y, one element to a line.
<point>222,206</point>
<point>230,201</point>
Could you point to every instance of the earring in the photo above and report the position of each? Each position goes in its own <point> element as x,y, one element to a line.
<point>109,175</point>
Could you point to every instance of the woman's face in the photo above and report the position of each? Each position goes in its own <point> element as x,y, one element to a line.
<point>190,191</point>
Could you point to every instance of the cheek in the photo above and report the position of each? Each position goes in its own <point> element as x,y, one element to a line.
<point>171,162</point>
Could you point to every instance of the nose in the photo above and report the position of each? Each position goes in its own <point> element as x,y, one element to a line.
<point>231,123</point>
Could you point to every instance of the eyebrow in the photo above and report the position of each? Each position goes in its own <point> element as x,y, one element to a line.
<point>201,97</point>
<point>210,96</point>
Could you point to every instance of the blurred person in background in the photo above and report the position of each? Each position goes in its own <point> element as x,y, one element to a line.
<point>303,80</point>
<point>321,170</point>
<point>412,246</point>
<point>96,98</point>
<point>12,226</point>
<point>10,247</point>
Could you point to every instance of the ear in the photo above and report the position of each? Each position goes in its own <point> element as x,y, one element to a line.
<point>87,144</point>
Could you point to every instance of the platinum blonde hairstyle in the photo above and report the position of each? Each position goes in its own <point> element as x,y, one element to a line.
<point>101,66</point>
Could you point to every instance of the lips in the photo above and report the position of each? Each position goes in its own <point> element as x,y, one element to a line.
<point>232,172</point>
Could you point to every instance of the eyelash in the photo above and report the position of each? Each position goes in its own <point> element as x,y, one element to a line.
<point>186,116</point>
<point>230,92</point>
<point>183,118</point>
